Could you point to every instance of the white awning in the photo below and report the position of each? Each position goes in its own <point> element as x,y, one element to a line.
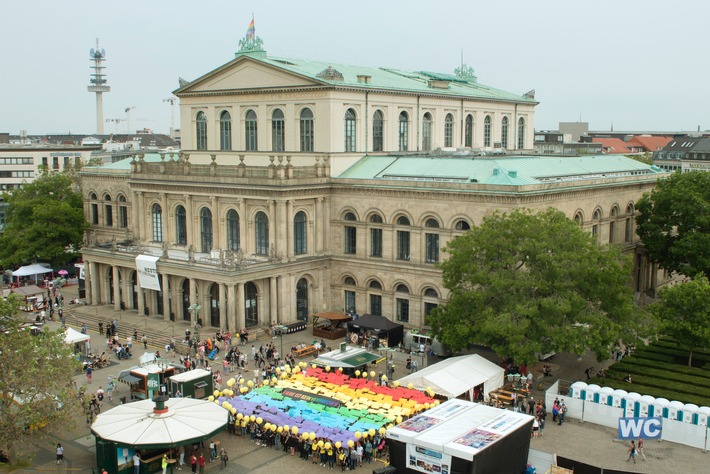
<point>34,269</point>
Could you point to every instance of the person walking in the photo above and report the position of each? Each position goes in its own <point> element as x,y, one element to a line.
<point>224,457</point>
<point>60,453</point>
<point>201,463</point>
<point>639,448</point>
<point>193,463</point>
<point>632,452</point>
<point>89,371</point>
<point>164,463</point>
<point>561,415</point>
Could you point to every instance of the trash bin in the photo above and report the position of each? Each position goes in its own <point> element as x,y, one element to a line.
<point>385,470</point>
<point>123,400</point>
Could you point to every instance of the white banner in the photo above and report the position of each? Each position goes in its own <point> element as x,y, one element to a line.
<point>80,266</point>
<point>147,272</point>
<point>428,460</point>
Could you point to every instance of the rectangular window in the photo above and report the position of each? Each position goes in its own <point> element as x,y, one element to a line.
<point>375,242</point>
<point>109,215</point>
<point>306,134</point>
<point>427,309</point>
<point>55,163</point>
<point>66,162</point>
<point>403,135</point>
<point>432,248</point>
<point>123,217</point>
<point>402,310</point>
<point>376,305</point>
<point>251,143</point>
<point>402,245</point>
<point>95,214</point>
<point>44,161</point>
<point>627,230</point>
<point>350,240</point>
<point>277,135</point>
<point>595,230</point>
<point>350,302</point>
<point>611,232</point>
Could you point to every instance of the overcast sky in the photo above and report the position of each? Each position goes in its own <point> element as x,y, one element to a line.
<point>639,64</point>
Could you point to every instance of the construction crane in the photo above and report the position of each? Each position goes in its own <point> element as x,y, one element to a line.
<point>128,117</point>
<point>171,101</point>
<point>115,122</point>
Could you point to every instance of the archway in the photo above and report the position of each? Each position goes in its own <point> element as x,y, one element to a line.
<point>134,285</point>
<point>186,300</point>
<point>251,309</point>
<point>302,300</point>
<point>110,285</point>
<point>214,305</point>
<point>159,297</point>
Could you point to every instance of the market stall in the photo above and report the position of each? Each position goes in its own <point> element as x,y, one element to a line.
<point>458,376</point>
<point>31,270</point>
<point>152,428</point>
<point>347,358</point>
<point>461,436</point>
<point>386,333</point>
<point>33,295</point>
<point>330,325</point>
<point>81,342</point>
<point>196,383</point>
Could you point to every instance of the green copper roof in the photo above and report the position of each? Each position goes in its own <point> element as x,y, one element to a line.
<point>393,79</point>
<point>504,170</point>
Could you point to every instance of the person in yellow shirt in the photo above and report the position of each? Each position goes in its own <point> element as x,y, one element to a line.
<point>164,463</point>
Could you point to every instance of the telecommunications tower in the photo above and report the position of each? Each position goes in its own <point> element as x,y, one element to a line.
<point>98,84</point>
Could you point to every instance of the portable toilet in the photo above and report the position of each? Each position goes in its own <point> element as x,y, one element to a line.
<point>631,408</point>
<point>689,411</point>
<point>659,408</point>
<point>605,395</point>
<point>192,384</point>
<point>618,398</point>
<point>675,410</point>
<point>702,416</point>
<point>577,389</point>
<point>591,393</point>
<point>645,404</point>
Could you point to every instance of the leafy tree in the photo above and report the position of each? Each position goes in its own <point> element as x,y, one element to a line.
<point>526,284</point>
<point>684,313</point>
<point>44,219</point>
<point>646,158</point>
<point>36,394</point>
<point>674,223</point>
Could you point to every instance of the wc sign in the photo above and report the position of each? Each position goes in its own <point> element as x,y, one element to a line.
<point>646,428</point>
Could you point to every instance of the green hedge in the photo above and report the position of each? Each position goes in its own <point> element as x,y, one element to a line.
<point>659,364</point>
<point>693,381</point>
<point>637,386</point>
<point>680,356</point>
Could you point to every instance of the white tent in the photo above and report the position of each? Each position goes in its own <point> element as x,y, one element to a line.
<point>457,375</point>
<point>73,336</point>
<point>34,269</point>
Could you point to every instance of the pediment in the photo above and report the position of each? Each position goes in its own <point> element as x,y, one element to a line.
<point>246,74</point>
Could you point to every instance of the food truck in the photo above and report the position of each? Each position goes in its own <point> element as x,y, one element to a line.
<point>145,381</point>
<point>196,383</point>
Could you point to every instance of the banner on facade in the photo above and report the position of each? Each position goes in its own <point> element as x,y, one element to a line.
<point>80,266</point>
<point>428,460</point>
<point>147,272</point>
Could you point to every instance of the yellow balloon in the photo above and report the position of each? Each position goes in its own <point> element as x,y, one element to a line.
<point>230,382</point>
<point>224,404</point>
<point>384,378</point>
<point>288,369</point>
<point>410,386</point>
<point>371,431</point>
<point>372,374</point>
<point>280,429</point>
<point>312,436</point>
<point>259,420</point>
<point>216,401</point>
<point>302,365</point>
<point>357,373</point>
<point>284,375</point>
<point>233,411</point>
<point>267,426</point>
<point>351,443</point>
<point>272,427</point>
<point>364,374</point>
<point>250,384</point>
<point>313,366</point>
<point>210,398</point>
<point>304,436</point>
<point>286,427</point>
<point>427,406</point>
<point>252,418</point>
<point>314,446</point>
<point>216,393</point>
<point>328,445</point>
<point>398,419</point>
<point>294,430</point>
<point>358,435</point>
<point>239,416</point>
<point>390,426</point>
<point>327,368</point>
<point>395,384</point>
<point>244,422</point>
<point>338,444</point>
<point>321,443</point>
<point>383,431</point>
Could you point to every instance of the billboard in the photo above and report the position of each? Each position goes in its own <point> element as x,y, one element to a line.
<point>147,272</point>
<point>646,428</point>
<point>427,460</point>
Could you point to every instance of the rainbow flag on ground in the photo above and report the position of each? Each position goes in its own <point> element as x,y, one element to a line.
<point>250,30</point>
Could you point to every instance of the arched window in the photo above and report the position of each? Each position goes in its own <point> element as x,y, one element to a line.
<point>201,131</point>
<point>262,233</point>
<point>181,225</point>
<point>402,303</point>
<point>94,209</point>
<point>306,130</point>
<point>403,131</point>
<point>349,216</point>
<point>431,293</point>
<point>403,239</point>
<point>157,213</point>
<point>250,131</point>
<point>225,131</point>
<point>449,130</point>
<point>376,219</point>
<point>375,285</point>
<point>612,224</point>
<point>468,134</point>
<point>376,236</point>
<point>377,131</point>
<point>206,229</point>
<point>108,210</point>
<point>432,241</point>
<point>375,299</point>
<point>462,225</point>
<point>277,131</point>
<point>233,242</point>
<point>302,300</point>
<point>521,133</point>
<point>487,131</point>
<point>122,212</point>
<point>629,223</point>
<point>300,242</point>
<point>350,130</point>
<point>251,306</point>
<point>426,132</point>
<point>596,218</point>
<point>504,132</point>
<point>349,281</point>
<point>402,288</point>
<point>578,219</point>
<point>350,232</point>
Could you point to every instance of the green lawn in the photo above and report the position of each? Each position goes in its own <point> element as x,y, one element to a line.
<point>661,370</point>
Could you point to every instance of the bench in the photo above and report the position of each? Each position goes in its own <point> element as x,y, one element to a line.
<point>305,351</point>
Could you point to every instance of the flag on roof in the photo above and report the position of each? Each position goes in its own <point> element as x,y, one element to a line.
<point>250,30</point>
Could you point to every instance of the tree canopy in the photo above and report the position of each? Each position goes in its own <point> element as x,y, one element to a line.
<point>684,313</point>
<point>674,223</point>
<point>44,218</point>
<point>35,386</point>
<point>525,284</point>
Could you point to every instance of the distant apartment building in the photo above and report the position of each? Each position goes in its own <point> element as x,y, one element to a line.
<point>683,154</point>
<point>559,143</point>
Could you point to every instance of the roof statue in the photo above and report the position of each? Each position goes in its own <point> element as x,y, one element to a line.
<point>466,72</point>
<point>330,74</point>
<point>530,94</point>
<point>250,43</point>
<point>183,82</point>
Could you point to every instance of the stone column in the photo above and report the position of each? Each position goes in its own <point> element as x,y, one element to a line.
<point>141,218</point>
<point>318,226</point>
<point>116,290</point>
<point>218,221</point>
<point>167,228</point>
<point>289,229</point>
<point>166,297</point>
<point>231,322</point>
<point>239,303</point>
<point>273,300</point>
<point>141,299</point>
<point>93,285</point>
<point>179,315</point>
<point>272,226</point>
<point>242,224</point>
<point>223,321</point>
<point>193,300</point>
<point>188,221</point>
<point>281,238</point>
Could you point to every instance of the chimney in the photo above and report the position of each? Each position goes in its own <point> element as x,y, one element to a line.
<point>363,79</point>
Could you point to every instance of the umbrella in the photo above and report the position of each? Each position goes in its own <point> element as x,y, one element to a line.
<point>63,272</point>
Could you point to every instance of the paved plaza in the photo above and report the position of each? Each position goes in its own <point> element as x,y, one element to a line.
<point>585,442</point>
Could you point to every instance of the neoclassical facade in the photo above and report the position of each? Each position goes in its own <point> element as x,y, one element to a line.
<point>305,187</point>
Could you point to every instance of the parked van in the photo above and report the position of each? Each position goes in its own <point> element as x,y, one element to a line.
<point>413,339</point>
